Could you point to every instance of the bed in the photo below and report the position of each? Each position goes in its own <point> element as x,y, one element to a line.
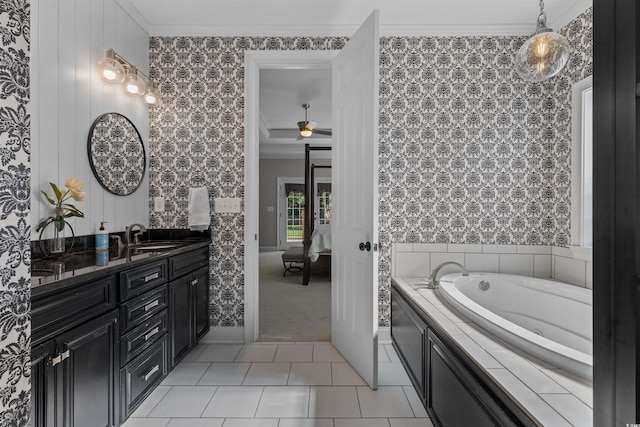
<point>316,242</point>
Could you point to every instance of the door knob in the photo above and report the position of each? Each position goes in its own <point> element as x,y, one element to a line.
<point>364,246</point>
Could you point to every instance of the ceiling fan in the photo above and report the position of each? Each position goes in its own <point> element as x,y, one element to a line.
<point>308,127</point>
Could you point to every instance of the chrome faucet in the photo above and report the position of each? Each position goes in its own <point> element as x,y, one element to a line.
<point>432,282</point>
<point>136,237</point>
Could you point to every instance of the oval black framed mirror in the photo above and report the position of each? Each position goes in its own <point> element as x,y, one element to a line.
<point>116,154</point>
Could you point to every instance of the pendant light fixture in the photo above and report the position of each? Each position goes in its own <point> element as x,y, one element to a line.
<point>545,53</point>
<point>114,69</point>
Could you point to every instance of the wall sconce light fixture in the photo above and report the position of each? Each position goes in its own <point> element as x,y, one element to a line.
<point>114,69</point>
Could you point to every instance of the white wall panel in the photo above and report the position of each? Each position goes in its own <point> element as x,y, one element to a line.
<point>68,96</point>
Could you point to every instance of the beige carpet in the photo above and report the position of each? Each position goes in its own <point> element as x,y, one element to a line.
<point>288,310</point>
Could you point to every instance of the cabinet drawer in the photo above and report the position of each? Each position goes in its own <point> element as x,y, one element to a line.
<point>141,376</point>
<point>142,337</point>
<point>53,314</point>
<point>143,307</point>
<point>140,279</point>
<point>182,264</point>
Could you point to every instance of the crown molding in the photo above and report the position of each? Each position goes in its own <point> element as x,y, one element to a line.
<point>557,22</point>
<point>136,15</point>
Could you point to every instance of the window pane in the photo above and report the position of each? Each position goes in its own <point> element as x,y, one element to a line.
<point>587,167</point>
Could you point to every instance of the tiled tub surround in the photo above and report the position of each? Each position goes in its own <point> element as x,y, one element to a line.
<point>550,396</point>
<point>419,259</point>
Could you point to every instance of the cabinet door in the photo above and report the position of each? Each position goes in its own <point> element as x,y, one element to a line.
<point>42,386</point>
<point>408,334</point>
<point>201,303</point>
<point>180,317</point>
<point>89,374</point>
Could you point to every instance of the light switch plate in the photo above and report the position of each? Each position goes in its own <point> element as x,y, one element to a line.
<point>158,204</point>
<point>227,205</point>
<point>270,209</point>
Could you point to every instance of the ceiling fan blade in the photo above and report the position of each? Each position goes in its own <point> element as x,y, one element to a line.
<point>311,124</point>
<point>326,132</point>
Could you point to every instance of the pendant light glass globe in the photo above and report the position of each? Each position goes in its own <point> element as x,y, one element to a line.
<point>545,53</point>
<point>133,83</point>
<point>110,69</point>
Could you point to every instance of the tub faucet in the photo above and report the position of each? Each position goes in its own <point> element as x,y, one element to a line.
<point>432,283</point>
<point>136,237</point>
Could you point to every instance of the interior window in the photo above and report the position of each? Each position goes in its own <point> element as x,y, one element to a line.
<point>582,164</point>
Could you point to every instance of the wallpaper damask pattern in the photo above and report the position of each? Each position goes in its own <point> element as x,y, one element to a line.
<point>196,138</point>
<point>15,257</point>
<point>469,153</point>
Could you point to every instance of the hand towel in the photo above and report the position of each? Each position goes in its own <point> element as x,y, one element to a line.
<point>199,210</point>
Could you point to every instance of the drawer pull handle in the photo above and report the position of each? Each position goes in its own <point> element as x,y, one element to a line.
<point>151,305</point>
<point>194,282</point>
<point>151,277</point>
<point>152,333</point>
<point>60,357</point>
<point>151,372</point>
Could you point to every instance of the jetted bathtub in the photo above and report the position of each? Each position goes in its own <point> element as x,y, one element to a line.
<point>550,320</point>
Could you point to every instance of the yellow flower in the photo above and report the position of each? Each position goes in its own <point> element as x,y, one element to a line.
<point>78,196</point>
<point>74,184</point>
<point>62,209</point>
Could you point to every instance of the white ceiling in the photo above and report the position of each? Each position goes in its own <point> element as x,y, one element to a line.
<point>342,17</point>
<point>282,93</point>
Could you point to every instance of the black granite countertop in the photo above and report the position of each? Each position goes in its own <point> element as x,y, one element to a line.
<point>52,274</point>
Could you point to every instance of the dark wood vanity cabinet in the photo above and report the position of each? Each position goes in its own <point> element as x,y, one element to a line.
<point>74,365</point>
<point>454,391</point>
<point>188,301</point>
<point>101,346</point>
<point>144,363</point>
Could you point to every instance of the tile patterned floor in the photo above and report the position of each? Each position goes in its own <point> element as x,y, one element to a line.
<point>280,385</point>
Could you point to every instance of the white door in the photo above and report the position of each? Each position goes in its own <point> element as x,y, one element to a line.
<point>354,277</point>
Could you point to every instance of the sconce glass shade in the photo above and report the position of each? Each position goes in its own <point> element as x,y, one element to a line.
<point>133,83</point>
<point>542,56</point>
<point>306,133</point>
<point>151,97</point>
<point>110,69</point>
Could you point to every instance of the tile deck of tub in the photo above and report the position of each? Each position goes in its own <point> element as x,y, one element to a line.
<point>550,395</point>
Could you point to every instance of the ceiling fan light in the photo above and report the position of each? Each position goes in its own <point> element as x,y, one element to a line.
<point>110,69</point>
<point>305,133</point>
<point>544,54</point>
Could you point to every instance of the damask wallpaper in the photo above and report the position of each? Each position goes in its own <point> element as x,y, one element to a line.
<point>15,257</point>
<point>469,153</point>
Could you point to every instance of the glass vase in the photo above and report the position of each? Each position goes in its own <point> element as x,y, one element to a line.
<point>56,243</point>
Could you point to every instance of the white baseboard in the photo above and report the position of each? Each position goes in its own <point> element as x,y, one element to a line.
<point>384,335</point>
<point>268,248</point>
<point>224,335</point>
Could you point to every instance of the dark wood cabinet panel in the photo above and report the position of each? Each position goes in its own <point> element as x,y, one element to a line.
<point>452,399</point>
<point>143,307</point>
<point>408,334</point>
<point>88,373</point>
<point>180,315</point>
<point>41,385</point>
<point>139,378</point>
<point>185,264</point>
<point>141,279</point>
<point>71,307</point>
<point>201,303</point>
<point>142,337</point>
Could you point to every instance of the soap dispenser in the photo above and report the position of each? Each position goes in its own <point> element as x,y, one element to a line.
<point>102,238</point>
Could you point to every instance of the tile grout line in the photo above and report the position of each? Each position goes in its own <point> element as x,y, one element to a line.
<point>204,408</point>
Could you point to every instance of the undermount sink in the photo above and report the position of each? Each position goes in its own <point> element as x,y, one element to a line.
<point>156,246</point>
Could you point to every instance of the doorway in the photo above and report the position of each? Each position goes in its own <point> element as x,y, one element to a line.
<point>254,62</point>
